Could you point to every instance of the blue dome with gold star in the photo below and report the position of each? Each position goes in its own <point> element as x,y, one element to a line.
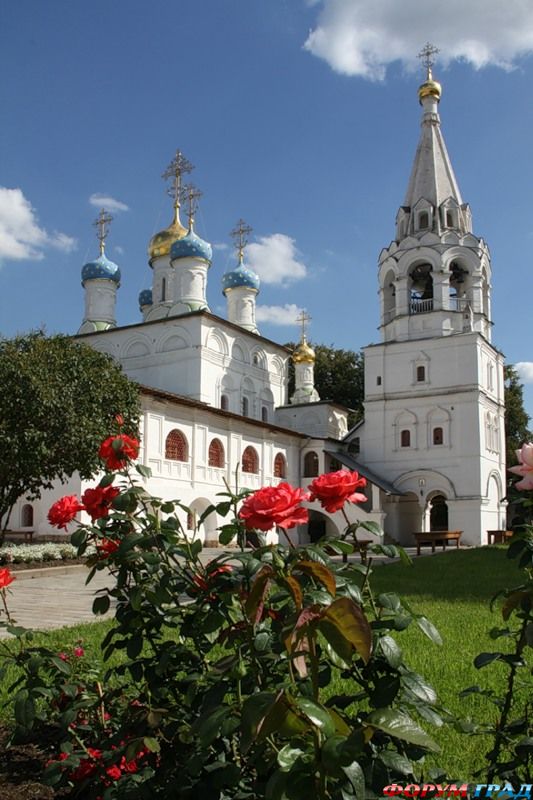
<point>191,246</point>
<point>100,269</point>
<point>145,298</point>
<point>241,276</point>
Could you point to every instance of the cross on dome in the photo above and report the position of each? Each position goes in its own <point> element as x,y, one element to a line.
<point>191,194</point>
<point>102,223</point>
<point>426,55</point>
<point>239,235</point>
<point>302,320</point>
<point>178,167</point>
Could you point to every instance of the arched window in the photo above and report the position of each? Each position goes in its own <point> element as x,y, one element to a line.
<point>421,374</point>
<point>176,447</point>
<point>245,406</point>
<point>250,460</point>
<point>280,466</point>
<point>438,436</point>
<point>26,516</point>
<point>423,220</point>
<point>405,439</point>
<point>264,414</point>
<point>310,464</point>
<point>449,219</point>
<point>163,289</point>
<point>216,453</point>
<point>224,402</point>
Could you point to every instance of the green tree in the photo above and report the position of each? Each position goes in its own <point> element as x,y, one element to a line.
<point>339,377</point>
<point>58,402</point>
<point>516,417</point>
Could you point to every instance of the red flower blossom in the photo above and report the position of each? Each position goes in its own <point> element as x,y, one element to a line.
<point>107,547</point>
<point>63,656</point>
<point>5,577</point>
<point>334,489</point>
<point>119,419</point>
<point>79,651</point>
<point>116,451</point>
<point>98,501</point>
<point>64,510</point>
<point>274,505</point>
<point>113,772</point>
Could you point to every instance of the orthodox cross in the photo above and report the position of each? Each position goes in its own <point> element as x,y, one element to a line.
<point>427,56</point>
<point>178,167</point>
<point>102,223</point>
<point>302,320</point>
<point>191,196</point>
<point>239,235</point>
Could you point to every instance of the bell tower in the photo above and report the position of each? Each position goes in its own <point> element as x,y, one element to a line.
<point>434,391</point>
<point>434,278</point>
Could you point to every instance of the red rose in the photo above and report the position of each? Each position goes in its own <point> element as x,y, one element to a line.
<point>79,651</point>
<point>5,578</point>
<point>97,501</point>
<point>274,505</point>
<point>334,489</point>
<point>64,511</point>
<point>116,451</point>
<point>107,547</point>
<point>113,772</point>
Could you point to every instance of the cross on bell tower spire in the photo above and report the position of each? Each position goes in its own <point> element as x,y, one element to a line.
<point>102,223</point>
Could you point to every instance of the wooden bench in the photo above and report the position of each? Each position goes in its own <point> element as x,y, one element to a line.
<point>434,537</point>
<point>28,534</point>
<point>361,547</point>
<point>498,537</point>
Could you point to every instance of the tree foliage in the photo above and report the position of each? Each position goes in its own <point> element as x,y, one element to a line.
<point>339,377</point>
<point>516,417</point>
<point>58,401</point>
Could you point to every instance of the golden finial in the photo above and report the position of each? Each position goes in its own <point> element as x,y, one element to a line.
<point>178,167</point>
<point>304,352</point>
<point>191,195</point>
<point>102,223</point>
<point>429,87</point>
<point>239,235</point>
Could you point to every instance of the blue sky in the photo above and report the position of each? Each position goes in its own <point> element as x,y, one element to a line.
<point>300,116</point>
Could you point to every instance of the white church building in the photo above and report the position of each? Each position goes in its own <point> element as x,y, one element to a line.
<point>214,391</point>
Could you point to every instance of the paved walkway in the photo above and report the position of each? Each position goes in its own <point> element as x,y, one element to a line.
<point>57,596</point>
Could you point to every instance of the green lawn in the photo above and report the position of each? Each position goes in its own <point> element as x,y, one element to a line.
<point>453,590</point>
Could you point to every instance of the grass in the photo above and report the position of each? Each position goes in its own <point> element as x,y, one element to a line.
<point>453,590</point>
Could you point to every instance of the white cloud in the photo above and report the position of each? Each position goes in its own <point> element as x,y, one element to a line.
<point>361,37</point>
<point>275,259</point>
<point>278,315</point>
<point>119,250</point>
<point>21,237</point>
<point>220,246</point>
<point>107,202</point>
<point>525,371</point>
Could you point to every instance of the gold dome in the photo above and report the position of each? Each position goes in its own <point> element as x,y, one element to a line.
<point>303,354</point>
<point>161,242</point>
<point>430,88</point>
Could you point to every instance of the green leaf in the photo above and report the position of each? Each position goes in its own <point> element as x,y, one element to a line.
<point>483,659</point>
<point>24,709</point>
<point>372,527</point>
<point>151,744</point>
<point>390,650</point>
<point>227,533</point>
<point>400,726</point>
<point>355,775</point>
<point>143,470</point>
<point>208,727</point>
<point>429,629</point>
<point>351,623</point>
<point>396,761</point>
<point>419,687</point>
<point>78,538</point>
<point>319,572</point>
<point>287,756</point>
<point>390,601</point>
<point>318,715</point>
<point>101,604</point>
<point>258,593</point>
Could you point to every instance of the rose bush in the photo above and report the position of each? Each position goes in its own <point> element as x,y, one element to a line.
<point>117,451</point>
<point>224,686</point>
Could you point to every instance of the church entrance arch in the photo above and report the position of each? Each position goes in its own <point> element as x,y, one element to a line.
<point>438,513</point>
<point>319,525</point>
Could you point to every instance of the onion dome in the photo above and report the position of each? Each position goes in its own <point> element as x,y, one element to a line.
<point>191,246</point>
<point>241,276</point>
<point>430,88</point>
<point>145,298</point>
<point>304,353</point>
<point>161,242</point>
<point>100,269</point>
